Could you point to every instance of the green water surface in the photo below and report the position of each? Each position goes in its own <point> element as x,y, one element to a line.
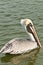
<point>11,12</point>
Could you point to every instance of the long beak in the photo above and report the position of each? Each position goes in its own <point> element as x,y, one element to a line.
<point>35,36</point>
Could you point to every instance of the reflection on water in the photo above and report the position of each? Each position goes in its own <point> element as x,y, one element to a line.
<point>24,59</point>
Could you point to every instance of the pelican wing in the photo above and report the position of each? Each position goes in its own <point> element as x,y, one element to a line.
<point>7,48</point>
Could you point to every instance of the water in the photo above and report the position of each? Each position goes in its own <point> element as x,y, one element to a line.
<point>11,11</point>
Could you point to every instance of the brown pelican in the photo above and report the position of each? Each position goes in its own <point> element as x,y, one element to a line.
<point>19,46</point>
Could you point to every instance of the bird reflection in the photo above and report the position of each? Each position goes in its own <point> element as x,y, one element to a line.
<point>24,59</point>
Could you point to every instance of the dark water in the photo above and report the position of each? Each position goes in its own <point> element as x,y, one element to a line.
<point>11,11</point>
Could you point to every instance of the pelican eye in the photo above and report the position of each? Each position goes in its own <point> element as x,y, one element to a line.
<point>30,25</point>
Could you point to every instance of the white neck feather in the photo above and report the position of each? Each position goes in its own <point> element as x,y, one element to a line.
<point>31,37</point>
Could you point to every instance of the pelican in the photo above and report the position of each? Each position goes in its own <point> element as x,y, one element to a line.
<point>19,46</point>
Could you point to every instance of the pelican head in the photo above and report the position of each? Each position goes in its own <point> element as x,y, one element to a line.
<point>27,23</point>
